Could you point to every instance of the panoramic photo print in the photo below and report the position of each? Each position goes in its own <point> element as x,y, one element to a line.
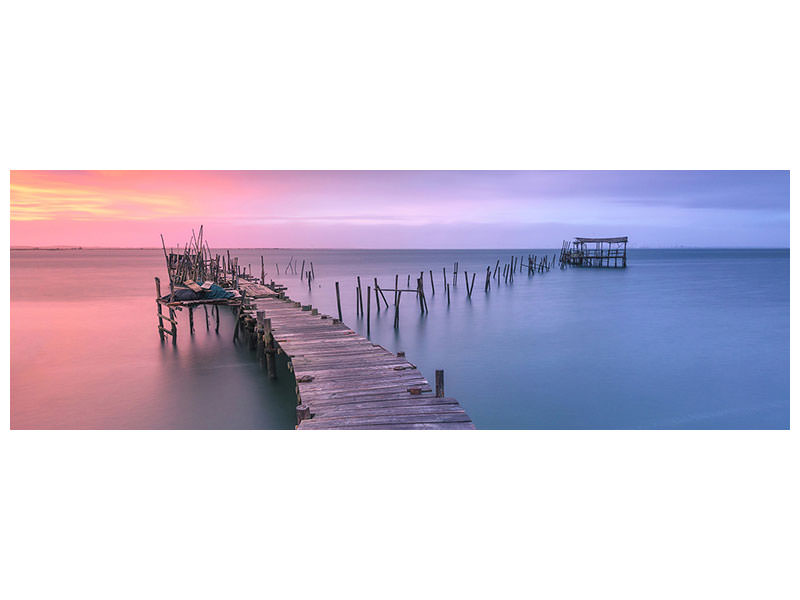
<point>399,300</point>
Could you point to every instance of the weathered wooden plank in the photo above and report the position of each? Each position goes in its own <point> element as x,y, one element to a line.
<point>308,425</point>
<point>380,403</point>
<point>388,420</point>
<point>399,411</point>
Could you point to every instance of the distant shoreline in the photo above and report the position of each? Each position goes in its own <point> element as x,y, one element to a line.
<point>59,248</point>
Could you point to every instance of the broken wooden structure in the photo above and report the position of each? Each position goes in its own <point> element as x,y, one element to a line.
<point>343,381</point>
<point>595,252</point>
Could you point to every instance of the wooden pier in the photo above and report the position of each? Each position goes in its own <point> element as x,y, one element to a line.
<point>344,381</point>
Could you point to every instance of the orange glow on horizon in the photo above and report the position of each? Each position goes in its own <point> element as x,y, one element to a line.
<point>46,196</point>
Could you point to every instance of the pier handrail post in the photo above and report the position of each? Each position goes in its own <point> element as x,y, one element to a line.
<point>302,412</point>
<point>440,383</point>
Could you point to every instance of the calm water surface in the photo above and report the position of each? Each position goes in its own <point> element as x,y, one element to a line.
<point>680,339</point>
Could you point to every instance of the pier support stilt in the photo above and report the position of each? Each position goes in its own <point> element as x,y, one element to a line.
<point>160,314</point>
<point>269,349</point>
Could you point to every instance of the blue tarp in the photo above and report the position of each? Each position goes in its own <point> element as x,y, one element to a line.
<point>214,293</point>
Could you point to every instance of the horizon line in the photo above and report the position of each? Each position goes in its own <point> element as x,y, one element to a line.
<point>679,247</point>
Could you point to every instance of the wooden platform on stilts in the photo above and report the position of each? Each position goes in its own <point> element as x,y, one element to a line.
<point>344,381</point>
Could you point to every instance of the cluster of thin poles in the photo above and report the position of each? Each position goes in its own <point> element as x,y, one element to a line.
<point>532,265</point>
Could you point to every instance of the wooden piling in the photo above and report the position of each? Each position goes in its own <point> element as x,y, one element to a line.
<point>359,298</point>
<point>338,301</point>
<point>262,270</point>
<point>448,294</point>
<point>191,320</point>
<point>216,311</point>
<point>269,349</point>
<point>158,305</point>
<point>172,316</point>
<point>369,302</point>
<point>377,287</point>
<point>433,288</point>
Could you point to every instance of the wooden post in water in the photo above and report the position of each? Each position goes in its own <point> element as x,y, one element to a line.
<point>251,333</point>
<point>172,317</point>
<point>338,302</point>
<point>260,345</point>
<point>359,299</point>
<point>216,311</point>
<point>488,279</point>
<point>444,277</point>
<point>262,269</point>
<point>433,288</point>
<point>302,270</point>
<point>205,310</point>
<point>440,383</point>
<point>309,280</point>
<point>160,314</point>
<point>377,287</point>
<point>397,295</point>
<point>238,320</point>
<point>191,320</point>
<point>269,348</point>
<point>377,300</point>
<point>396,288</point>
<point>455,273</point>
<point>369,303</point>
<point>312,270</point>
<point>448,294</point>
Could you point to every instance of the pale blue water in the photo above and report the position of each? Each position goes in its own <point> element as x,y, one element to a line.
<point>680,339</point>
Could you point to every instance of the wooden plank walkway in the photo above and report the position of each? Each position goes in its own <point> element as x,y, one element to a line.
<point>346,381</point>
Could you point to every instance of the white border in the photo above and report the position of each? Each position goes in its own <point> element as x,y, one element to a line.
<point>463,85</point>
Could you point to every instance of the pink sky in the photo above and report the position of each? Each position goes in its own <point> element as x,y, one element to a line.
<point>396,209</point>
